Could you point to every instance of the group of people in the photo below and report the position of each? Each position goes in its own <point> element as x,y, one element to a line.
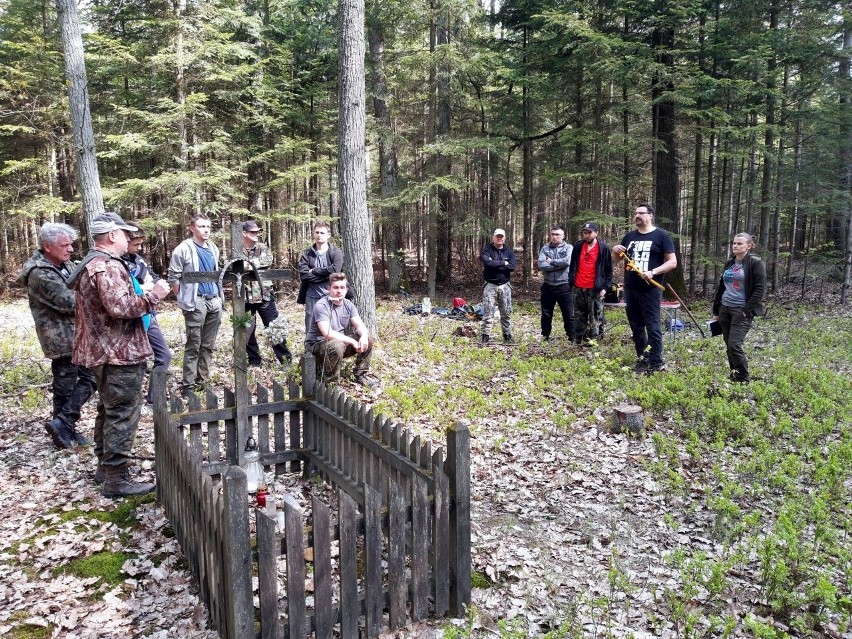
<point>96,322</point>
<point>577,278</point>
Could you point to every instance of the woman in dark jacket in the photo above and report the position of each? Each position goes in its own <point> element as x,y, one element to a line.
<point>738,300</point>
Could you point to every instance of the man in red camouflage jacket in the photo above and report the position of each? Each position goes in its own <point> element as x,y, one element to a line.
<point>110,340</point>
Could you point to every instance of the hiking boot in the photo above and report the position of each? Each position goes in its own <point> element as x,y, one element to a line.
<point>62,436</point>
<point>363,380</point>
<point>286,358</point>
<point>641,366</point>
<point>653,368</point>
<point>117,483</point>
<point>486,339</point>
<point>507,339</point>
<point>100,474</point>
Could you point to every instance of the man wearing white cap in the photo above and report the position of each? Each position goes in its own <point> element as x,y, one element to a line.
<point>498,262</point>
<point>110,340</point>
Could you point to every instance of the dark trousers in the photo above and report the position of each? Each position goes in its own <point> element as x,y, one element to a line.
<point>735,326</point>
<point>72,387</point>
<point>330,355</point>
<point>550,297</point>
<point>268,313</point>
<point>643,314</point>
<point>119,408</point>
<point>162,354</point>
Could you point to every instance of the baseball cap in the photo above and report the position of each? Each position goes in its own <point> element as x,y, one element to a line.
<point>250,226</point>
<point>590,226</point>
<point>109,221</point>
<point>499,232</point>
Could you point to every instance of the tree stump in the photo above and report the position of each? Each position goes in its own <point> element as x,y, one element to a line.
<point>627,419</point>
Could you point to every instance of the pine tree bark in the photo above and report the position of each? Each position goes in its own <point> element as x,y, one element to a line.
<point>88,179</point>
<point>352,163</point>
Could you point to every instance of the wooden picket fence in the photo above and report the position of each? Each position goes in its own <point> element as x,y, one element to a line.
<point>400,504</point>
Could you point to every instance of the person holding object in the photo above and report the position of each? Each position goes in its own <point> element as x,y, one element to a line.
<point>554,260</point>
<point>316,265</point>
<point>739,298</point>
<point>146,278</point>
<point>653,254</point>
<point>591,276</point>
<point>498,262</point>
<point>261,297</point>
<point>327,338</point>
<point>201,303</point>
<point>45,277</point>
<point>110,340</point>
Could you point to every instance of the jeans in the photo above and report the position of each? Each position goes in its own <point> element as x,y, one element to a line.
<point>202,326</point>
<point>643,314</point>
<point>496,296</point>
<point>72,387</point>
<point>268,313</point>
<point>550,297</point>
<point>330,355</point>
<point>735,326</point>
<point>119,408</point>
<point>162,354</point>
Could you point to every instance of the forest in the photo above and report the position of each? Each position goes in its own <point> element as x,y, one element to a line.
<point>728,116</point>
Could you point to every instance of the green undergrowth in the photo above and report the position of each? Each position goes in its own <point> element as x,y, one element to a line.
<point>770,461</point>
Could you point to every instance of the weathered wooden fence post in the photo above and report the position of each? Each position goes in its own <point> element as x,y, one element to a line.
<point>458,471</point>
<point>159,377</point>
<point>239,607</point>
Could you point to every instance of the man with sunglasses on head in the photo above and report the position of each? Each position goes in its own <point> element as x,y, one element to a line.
<point>260,297</point>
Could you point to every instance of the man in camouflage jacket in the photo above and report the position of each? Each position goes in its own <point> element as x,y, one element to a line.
<point>110,339</point>
<point>45,277</point>
<point>260,299</point>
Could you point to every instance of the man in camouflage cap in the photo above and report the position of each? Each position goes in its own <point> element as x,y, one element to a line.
<point>260,299</point>
<point>111,340</point>
<point>45,276</point>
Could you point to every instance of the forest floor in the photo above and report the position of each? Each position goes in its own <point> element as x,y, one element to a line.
<point>730,517</point>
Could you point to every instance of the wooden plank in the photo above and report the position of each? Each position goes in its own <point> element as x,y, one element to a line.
<point>278,426</point>
<point>458,472</point>
<point>279,406</point>
<point>419,551</point>
<point>267,573</point>
<point>231,429</point>
<point>263,439</point>
<point>294,542</point>
<point>350,607</point>
<point>441,543</point>
<point>373,561</point>
<point>397,582</point>
<point>214,446</point>
<point>295,423</point>
<point>324,621</point>
<point>237,548</point>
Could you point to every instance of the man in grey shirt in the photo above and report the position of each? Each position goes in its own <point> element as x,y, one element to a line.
<point>327,337</point>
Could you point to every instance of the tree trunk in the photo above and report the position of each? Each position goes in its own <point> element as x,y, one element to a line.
<point>88,180</point>
<point>352,163</point>
<point>444,253</point>
<point>769,134</point>
<point>391,214</point>
<point>846,155</point>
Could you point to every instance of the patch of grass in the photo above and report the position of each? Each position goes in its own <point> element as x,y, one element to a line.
<point>22,630</point>
<point>106,565</point>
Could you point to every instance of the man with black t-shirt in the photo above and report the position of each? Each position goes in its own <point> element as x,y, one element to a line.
<point>653,253</point>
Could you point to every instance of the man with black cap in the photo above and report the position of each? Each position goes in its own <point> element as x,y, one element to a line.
<point>260,298</point>
<point>498,262</point>
<point>554,259</point>
<point>591,276</point>
<point>110,340</point>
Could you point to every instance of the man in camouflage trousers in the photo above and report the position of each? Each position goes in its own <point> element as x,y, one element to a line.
<point>260,299</point>
<point>498,262</point>
<point>110,340</point>
<point>52,304</point>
